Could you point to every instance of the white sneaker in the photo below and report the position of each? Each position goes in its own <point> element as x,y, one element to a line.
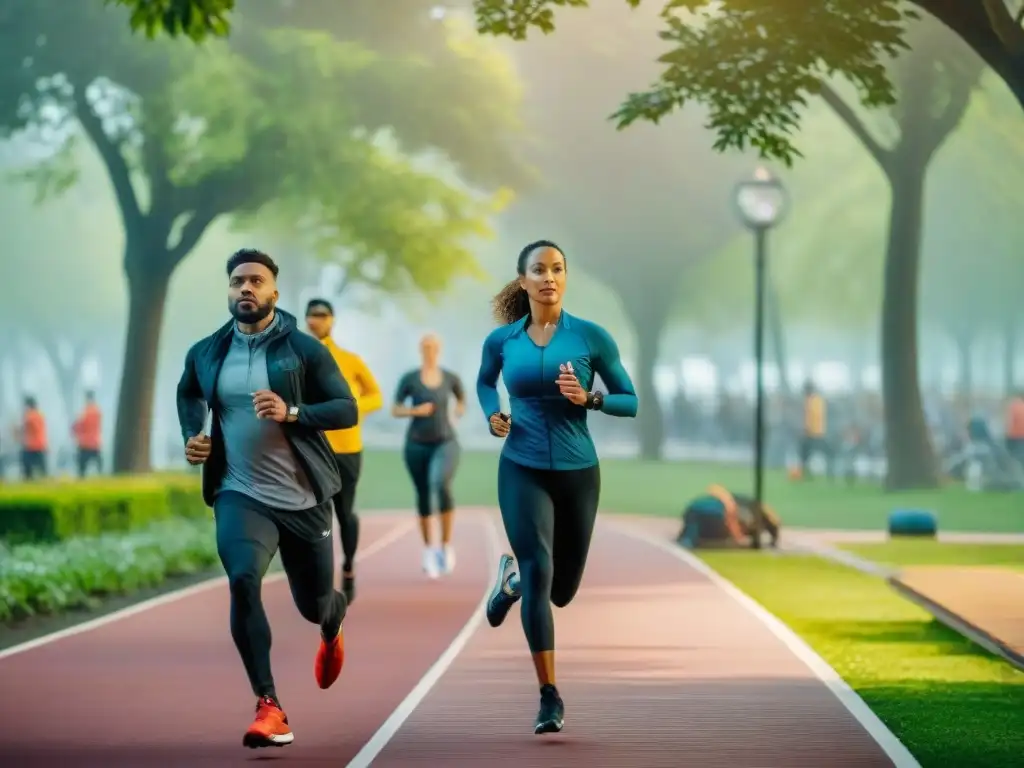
<point>448,559</point>
<point>430,564</point>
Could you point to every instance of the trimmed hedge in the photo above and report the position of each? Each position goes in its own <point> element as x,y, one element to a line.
<point>61,510</point>
<point>44,579</point>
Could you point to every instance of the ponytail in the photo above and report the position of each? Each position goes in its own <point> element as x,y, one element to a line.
<point>510,304</point>
<point>513,302</point>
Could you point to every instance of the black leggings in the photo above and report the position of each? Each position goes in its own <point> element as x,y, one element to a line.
<point>248,535</point>
<point>432,467</point>
<point>549,520</point>
<point>349,466</point>
<point>87,456</point>
<point>33,464</point>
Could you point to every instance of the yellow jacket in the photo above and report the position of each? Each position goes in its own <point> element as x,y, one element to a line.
<point>365,390</point>
<point>814,415</point>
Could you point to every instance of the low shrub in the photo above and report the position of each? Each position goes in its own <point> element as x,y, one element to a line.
<point>63,509</point>
<point>44,579</point>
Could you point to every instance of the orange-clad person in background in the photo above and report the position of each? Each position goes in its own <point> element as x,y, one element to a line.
<point>1015,427</point>
<point>87,430</point>
<point>34,444</point>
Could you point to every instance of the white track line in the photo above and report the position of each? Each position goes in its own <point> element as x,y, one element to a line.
<point>408,705</point>
<point>854,704</point>
<point>390,537</point>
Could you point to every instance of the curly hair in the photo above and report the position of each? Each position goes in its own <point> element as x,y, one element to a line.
<point>512,302</point>
<point>251,256</point>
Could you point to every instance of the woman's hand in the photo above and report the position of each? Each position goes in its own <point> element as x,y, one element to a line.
<point>569,385</point>
<point>421,410</point>
<point>500,424</point>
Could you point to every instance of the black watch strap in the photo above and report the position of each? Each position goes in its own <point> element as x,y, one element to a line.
<point>595,400</point>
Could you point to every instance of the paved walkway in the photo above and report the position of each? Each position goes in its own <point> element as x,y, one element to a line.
<point>660,664</point>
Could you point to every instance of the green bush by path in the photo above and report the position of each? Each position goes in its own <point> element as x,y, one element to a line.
<point>50,578</point>
<point>59,510</point>
<point>949,701</point>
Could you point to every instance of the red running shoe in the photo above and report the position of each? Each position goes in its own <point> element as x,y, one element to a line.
<point>270,728</point>
<point>329,660</point>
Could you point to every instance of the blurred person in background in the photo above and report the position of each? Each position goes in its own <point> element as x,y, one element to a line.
<point>268,472</point>
<point>347,444</point>
<point>814,439</point>
<point>34,442</point>
<point>432,450</point>
<point>549,477</point>
<point>1015,427</point>
<point>87,432</point>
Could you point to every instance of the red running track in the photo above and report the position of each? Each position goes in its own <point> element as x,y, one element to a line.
<point>659,663</point>
<point>165,687</point>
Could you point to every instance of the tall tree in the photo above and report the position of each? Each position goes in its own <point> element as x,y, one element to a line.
<point>972,271</point>
<point>980,213</point>
<point>934,81</point>
<point>310,116</point>
<point>753,64</point>
<point>634,211</point>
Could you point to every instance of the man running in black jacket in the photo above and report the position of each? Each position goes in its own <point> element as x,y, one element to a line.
<point>268,471</point>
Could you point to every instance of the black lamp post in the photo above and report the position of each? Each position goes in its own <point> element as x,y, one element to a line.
<point>761,202</point>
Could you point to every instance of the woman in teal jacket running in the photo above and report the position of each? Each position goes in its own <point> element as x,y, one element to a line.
<point>549,479</point>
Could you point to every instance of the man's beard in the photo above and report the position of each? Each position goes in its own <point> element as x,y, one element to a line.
<point>250,316</point>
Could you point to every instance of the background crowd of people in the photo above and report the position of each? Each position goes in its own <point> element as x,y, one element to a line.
<point>808,432</point>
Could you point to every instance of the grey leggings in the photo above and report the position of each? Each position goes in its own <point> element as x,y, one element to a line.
<point>432,468</point>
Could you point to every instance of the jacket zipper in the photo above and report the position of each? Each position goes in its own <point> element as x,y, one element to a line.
<point>544,411</point>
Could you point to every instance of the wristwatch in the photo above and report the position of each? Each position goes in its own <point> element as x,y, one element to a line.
<point>595,400</point>
<point>293,413</point>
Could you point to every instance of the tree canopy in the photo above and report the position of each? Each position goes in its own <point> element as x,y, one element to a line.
<point>378,134</point>
<point>754,64</point>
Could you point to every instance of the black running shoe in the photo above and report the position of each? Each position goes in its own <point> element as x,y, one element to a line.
<point>504,595</point>
<point>551,715</point>
<point>348,587</point>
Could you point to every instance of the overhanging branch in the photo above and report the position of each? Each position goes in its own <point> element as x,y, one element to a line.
<point>110,153</point>
<point>154,162</point>
<point>190,234</point>
<point>1006,26</point>
<point>845,113</point>
<point>972,22</point>
<point>956,107</point>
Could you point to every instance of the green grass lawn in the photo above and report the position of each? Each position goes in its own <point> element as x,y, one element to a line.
<point>950,702</point>
<point>663,488</point>
<point>930,552</point>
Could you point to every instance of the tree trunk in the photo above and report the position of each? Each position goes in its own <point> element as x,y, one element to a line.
<point>964,348</point>
<point>648,314</point>
<point>908,446</point>
<point>1010,356</point>
<point>147,297</point>
<point>650,421</point>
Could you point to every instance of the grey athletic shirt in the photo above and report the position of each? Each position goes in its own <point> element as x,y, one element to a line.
<point>259,460</point>
<point>437,427</point>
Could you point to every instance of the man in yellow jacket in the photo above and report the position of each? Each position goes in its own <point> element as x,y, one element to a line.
<point>347,444</point>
